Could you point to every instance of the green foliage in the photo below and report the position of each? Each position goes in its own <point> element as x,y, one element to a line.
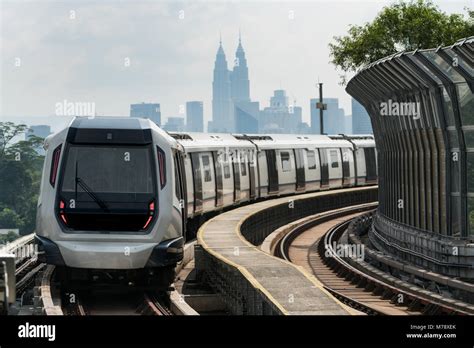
<point>9,237</point>
<point>400,26</point>
<point>20,176</point>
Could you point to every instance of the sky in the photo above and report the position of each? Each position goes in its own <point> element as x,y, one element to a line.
<point>115,53</point>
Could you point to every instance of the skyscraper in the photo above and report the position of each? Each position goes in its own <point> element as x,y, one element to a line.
<point>239,77</point>
<point>174,124</point>
<point>361,123</point>
<point>315,125</point>
<point>246,117</point>
<point>280,117</point>
<point>334,119</point>
<point>147,110</point>
<point>194,116</point>
<point>222,108</point>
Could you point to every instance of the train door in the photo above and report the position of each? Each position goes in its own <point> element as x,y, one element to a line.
<point>180,187</point>
<point>262,174</point>
<point>347,167</point>
<point>236,172</point>
<point>216,159</point>
<point>227,179</point>
<point>300,170</point>
<point>197,182</point>
<point>360,163</point>
<point>286,171</point>
<point>312,170</point>
<point>273,181</point>
<point>244,176</point>
<point>253,173</point>
<point>324,168</point>
<point>335,168</point>
<point>208,181</point>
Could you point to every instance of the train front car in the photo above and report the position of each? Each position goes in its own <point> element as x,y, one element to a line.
<point>108,203</point>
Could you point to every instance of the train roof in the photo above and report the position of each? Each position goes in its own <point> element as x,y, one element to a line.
<point>111,122</point>
<point>191,140</point>
<point>295,140</point>
<point>359,140</point>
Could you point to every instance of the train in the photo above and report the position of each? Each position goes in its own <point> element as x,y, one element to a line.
<point>117,193</point>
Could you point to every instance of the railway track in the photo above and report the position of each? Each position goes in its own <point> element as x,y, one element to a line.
<point>27,266</point>
<point>316,245</point>
<point>48,297</point>
<point>69,301</point>
<point>155,304</point>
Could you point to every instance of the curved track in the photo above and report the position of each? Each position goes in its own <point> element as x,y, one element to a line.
<point>316,245</point>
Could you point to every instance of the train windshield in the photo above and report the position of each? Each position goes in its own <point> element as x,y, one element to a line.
<point>108,187</point>
<point>109,169</point>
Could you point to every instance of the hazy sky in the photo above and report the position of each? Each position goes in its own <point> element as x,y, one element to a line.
<point>82,59</point>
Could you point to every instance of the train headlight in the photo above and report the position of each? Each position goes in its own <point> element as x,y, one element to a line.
<point>62,214</point>
<point>151,212</point>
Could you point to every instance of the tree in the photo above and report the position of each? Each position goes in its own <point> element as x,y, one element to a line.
<point>20,175</point>
<point>8,238</point>
<point>400,26</point>
<point>10,219</point>
<point>8,131</point>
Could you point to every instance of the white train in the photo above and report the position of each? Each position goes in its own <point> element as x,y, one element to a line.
<point>117,193</point>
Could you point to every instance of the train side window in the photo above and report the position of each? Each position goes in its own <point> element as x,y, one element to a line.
<point>311,160</point>
<point>285,161</point>
<point>243,168</point>
<point>177,186</point>
<point>226,171</point>
<point>334,159</point>
<point>207,168</point>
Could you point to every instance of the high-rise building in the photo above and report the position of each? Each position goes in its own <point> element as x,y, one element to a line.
<point>222,108</point>
<point>246,117</point>
<point>239,77</point>
<point>334,119</point>
<point>194,116</point>
<point>279,100</point>
<point>361,123</point>
<point>348,124</point>
<point>174,124</point>
<point>280,117</point>
<point>315,113</point>
<point>146,110</point>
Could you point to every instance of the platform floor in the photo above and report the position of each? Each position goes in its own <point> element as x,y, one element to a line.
<point>290,288</point>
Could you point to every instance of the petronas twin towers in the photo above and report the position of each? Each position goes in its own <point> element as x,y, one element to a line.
<point>229,88</point>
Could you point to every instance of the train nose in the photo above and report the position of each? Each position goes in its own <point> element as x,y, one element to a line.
<point>103,255</point>
<point>48,251</point>
<point>168,252</point>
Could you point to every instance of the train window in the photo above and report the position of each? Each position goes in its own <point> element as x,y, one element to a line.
<point>207,168</point>
<point>104,170</point>
<point>243,168</point>
<point>177,186</point>
<point>334,159</point>
<point>311,160</point>
<point>226,171</point>
<point>285,161</point>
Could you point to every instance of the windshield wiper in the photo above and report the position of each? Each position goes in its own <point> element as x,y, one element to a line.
<point>91,193</point>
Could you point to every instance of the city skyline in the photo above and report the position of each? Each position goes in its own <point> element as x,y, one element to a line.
<point>53,51</point>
